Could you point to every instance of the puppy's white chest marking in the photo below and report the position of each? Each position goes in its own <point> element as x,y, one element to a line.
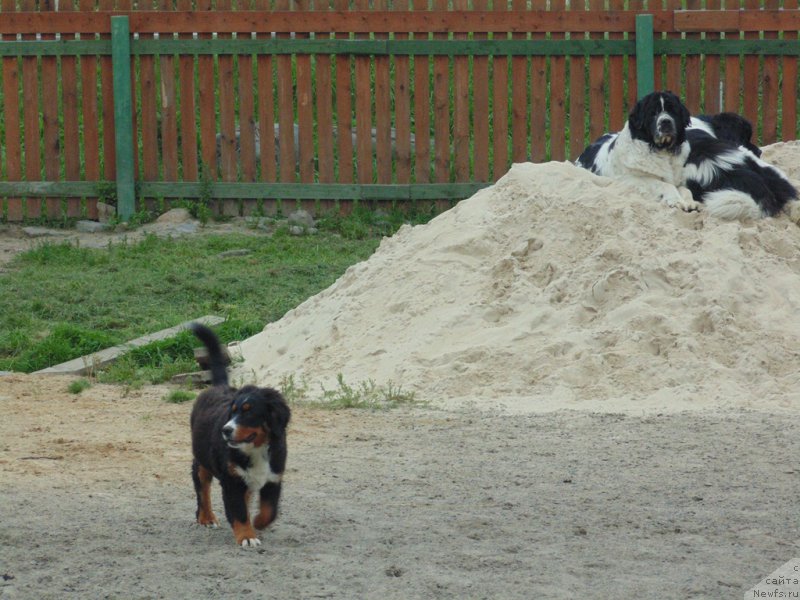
<point>259,471</point>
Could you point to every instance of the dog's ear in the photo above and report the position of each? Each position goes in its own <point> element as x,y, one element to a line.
<point>278,415</point>
<point>636,119</point>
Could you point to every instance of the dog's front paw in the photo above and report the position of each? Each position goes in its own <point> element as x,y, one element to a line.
<point>208,520</point>
<point>250,542</point>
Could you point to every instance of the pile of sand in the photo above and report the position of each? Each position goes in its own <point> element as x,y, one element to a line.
<point>555,288</point>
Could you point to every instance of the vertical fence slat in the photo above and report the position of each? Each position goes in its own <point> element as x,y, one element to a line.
<point>149,113</point>
<point>577,94</point>
<point>325,137</point>
<point>266,118</point>
<point>480,99</point>
<point>123,116</point>
<point>188,114</point>
<point>769,86</point>
<point>364,90</point>
<point>169,111</point>
<point>12,124</point>
<point>789,85</point>
<point>597,86</point>
<point>207,106</point>
<point>32,135</point>
<point>711,99</point>
<point>50,126</point>
<point>616,87</point>
<point>752,86</point>
<point>402,108</point>
<point>694,77</point>
<point>383,110</point>
<point>558,82</point>
<point>441,109</point>
<point>674,69</point>
<point>305,112</point>
<point>344,108</point>
<point>538,96</point>
<point>500,104</point>
<point>422,110</point>
<point>461,120</point>
<point>71,109</point>
<point>108,153</point>
<point>90,111</point>
<point>519,97</point>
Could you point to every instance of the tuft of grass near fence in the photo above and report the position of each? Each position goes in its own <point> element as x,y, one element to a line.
<point>60,301</point>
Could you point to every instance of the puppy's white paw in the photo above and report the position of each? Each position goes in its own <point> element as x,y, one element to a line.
<point>251,542</point>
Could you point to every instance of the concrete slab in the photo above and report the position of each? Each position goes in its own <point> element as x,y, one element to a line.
<point>90,362</point>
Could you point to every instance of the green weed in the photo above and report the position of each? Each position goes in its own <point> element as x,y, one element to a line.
<point>77,386</point>
<point>179,396</point>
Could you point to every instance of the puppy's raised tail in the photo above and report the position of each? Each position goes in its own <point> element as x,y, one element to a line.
<point>216,358</point>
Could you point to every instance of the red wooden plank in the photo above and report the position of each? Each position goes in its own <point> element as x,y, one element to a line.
<point>305,108</point>
<point>266,118</point>
<point>247,119</point>
<point>402,109</point>
<point>461,108</point>
<point>169,111</point>
<point>109,150</point>
<point>538,96</point>
<point>789,88</point>
<point>357,21</point>
<point>732,94</point>
<point>500,109</point>
<point>519,97</point>
<point>558,78</point>
<point>363,93</point>
<point>188,113</point>
<point>631,78</point>
<point>90,111</point>
<point>441,109</point>
<point>597,86</point>
<point>30,94</point>
<point>11,123</point>
<point>325,140</point>
<point>769,87</point>
<point>288,163</point>
<point>616,76</point>
<point>751,79</point>
<point>383,110</point>
<point>711,100</point>
<point>481,114</point>
<point>149,117</point>
<point>227,112</point>
<point>577,98</point>
<point>344,109</point>
<point>694,78</point>
<point>207,105</point>
<point>674,68</point>
<point>71,125</point>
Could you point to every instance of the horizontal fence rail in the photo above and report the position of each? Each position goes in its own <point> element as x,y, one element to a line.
<point>247,109</point>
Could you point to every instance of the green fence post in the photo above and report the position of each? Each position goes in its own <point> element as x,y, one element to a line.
<point>123,115</point>
<point>645,79</point>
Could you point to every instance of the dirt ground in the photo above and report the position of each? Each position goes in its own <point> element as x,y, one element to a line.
<point>97,502</point>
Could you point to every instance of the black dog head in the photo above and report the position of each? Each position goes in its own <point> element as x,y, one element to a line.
<point>257,416</point>
<point>734,128</point>
<point>660,119</point>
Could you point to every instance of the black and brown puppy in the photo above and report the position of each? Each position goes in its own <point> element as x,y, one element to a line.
<point>239,437</point>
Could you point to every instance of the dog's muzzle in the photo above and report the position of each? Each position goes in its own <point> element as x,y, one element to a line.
<point>665,134</point>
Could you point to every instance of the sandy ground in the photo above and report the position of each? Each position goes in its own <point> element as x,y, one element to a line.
<point>97,502</point>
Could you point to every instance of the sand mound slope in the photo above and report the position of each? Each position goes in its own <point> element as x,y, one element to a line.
<point>558,289</point>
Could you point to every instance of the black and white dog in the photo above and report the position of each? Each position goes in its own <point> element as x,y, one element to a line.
<point>650,151</point>
<point>710,159</point>
<point>729,127</point>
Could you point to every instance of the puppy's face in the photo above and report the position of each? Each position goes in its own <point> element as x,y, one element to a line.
<point>257,415</point>
<point>660,119</point>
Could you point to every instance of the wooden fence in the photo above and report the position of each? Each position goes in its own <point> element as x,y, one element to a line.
<point>354,102</point>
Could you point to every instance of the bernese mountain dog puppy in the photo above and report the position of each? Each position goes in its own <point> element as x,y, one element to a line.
<point>649,152</point>
<point>239,438</point>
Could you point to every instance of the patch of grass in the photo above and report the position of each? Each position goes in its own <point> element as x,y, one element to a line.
<point>179,396</point>
<point>364,395</point>
<point>77,386</point>
<point>59,301</point>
